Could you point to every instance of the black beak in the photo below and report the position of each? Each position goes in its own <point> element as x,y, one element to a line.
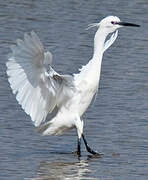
<point>128,24</point>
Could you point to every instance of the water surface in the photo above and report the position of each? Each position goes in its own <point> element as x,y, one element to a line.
<point>117,123</point>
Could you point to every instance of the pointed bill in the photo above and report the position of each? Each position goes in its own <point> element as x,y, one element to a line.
<point>128,24</point>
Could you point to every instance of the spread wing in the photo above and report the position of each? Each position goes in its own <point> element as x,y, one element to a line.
<point>38,88</point>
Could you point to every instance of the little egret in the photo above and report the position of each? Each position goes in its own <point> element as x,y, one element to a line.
<point>40,90</point>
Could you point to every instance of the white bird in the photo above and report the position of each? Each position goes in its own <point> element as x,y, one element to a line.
<point>40,90</point>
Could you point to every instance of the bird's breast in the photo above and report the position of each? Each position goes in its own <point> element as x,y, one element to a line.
<point>87,85</point>
<point>87,91</point>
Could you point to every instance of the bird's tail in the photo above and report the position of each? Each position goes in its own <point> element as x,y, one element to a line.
<point>57,126</point>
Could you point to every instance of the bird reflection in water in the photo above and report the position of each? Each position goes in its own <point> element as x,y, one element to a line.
<point>63,171</point>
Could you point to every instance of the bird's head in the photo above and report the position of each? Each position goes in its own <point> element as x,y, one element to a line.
<point>111,24</point>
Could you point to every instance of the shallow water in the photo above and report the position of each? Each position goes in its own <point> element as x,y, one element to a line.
<point>115,125</point>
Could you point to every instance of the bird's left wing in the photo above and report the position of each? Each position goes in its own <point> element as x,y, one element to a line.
<point>38,90</point>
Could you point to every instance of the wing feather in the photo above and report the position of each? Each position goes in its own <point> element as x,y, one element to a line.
<point>36,90</point>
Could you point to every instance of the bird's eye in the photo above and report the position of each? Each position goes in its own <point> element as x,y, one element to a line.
<point>114,22</point>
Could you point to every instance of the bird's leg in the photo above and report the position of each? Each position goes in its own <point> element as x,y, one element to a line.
<point>79,127</point>
<point>88,148</point>
<point>78,151</point>
<point>79,147</point>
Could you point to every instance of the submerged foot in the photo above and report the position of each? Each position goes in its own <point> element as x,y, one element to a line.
<point>94,153</point>
<point>77,153</point>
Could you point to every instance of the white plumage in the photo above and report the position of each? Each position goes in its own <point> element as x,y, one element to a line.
<point>37,90</point>
<point>40,89</point>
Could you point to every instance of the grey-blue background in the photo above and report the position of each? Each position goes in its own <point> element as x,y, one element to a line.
<point>116,125</point>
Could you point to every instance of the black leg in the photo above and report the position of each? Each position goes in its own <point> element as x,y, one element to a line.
<point>88,148</point>
<point>78,151</point>
<point>79,147</point>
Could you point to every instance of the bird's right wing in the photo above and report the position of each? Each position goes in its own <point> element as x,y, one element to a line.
<point>38,90</point>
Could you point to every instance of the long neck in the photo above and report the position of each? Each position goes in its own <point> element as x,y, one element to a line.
<point>93,68</point>
<point>99,40</point>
